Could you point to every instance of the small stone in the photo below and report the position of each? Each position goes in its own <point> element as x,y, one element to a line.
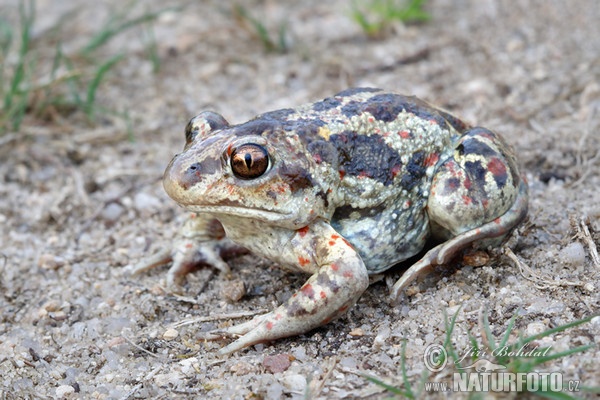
<point>50,261</point>
<point>295,383</point>
<point>573,254</point>
<point>277,363</point>
<point>233,291</point>
<point>476,258</point>
<point>242,368</point>
<point>58,315</point>
<point>145,204</point>
<point>357,332</point>
<point>411,290</point>
<point>170,334</point>
<point>535,328</point>
<point>112,212</point>
<point>64,391</point>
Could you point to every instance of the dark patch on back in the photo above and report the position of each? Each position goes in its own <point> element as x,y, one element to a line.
<point>386,107</point>
<point>326,104</point>
<point>368,156</point>
<point>297,177</point>
<point>456,123</point>
<point>256,127</point>
<point>476,146</point>
<point>353,91</point>
<point>353,108</point>
<point>306,129</point>
<point>278,115</point>
<point>415,170</point>
<point>323,151</point>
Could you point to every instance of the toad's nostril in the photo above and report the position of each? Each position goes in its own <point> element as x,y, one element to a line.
<point>194,167</point>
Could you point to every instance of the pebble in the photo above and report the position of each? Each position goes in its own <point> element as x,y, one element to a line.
<point>534,328</point>
<point>357,332</point>
<point>233,291</point>
<point>295,383</point>
<point>573,254</point>
<point>64,391</point>
<point>170,334</point>
<point>112,212</point>
<point>145,204</point>
<point>277,363</point>
<point>50,261</point>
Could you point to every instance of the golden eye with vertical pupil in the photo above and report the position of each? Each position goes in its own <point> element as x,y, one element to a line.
<point>249,161</point>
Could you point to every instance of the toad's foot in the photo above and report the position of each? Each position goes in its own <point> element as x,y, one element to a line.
<point>326,295</point>
<point>187,256</point>
<point>443,253</point>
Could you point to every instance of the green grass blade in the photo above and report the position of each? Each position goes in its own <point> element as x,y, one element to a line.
<point>449,329</point>
<point>405,373</point>
<point>93,87</point>
<point>557,329</point>
<point>509,328</point>
<point>389,388</point>
<point>113,29</point>
<point>488,332</point>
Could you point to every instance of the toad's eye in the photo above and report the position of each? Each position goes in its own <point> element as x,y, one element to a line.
<point>249,161</point>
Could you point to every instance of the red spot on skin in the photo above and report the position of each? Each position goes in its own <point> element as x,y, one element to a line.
<point>306,199</point>
<point>308,290</point>
<point>193,215</point>
<point>317,158</point>
<point>230,149</point>
<point>303,261</point>
<point>334,237</point>
<point>342,173</point>
<point>347,243</point>
<point>396,170</point>
<point>467,199</point>
<point>467,183</point>
<point>278,317</point>
<point>269,325</point>
<point>335,267</point>
<point>431,159</point>
<point>364,174</point>
<point>348,274</point>
<point>326,320</point>
<point>433,122</point>
<point>343,309</point>
<point>323,295</point>
<point>497,221</point>
<point>496,167</point>
<point>303,231</point>
<point>371,119</point>
<point>189,245</point>
<point>404,134</point>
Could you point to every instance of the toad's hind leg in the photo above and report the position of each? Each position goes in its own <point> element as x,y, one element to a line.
<point>477,196</point>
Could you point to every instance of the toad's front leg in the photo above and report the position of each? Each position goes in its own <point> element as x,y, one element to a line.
<point>339,277</point>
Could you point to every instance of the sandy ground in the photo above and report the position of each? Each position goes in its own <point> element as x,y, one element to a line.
<point>80,203</point>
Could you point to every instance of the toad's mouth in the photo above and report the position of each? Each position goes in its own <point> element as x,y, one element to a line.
<point>243,212</point>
